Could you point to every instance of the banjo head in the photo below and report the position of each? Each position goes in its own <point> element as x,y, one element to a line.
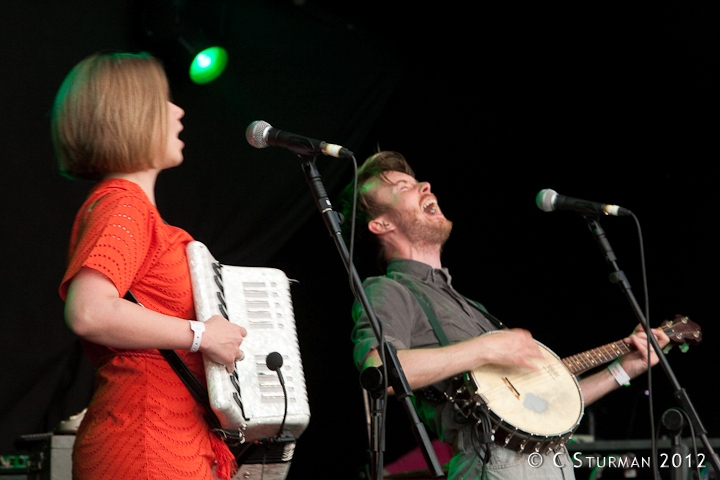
<point>538,406</point>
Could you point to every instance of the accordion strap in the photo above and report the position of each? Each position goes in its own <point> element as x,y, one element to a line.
<point>188,378</point>
<point>193,384</point>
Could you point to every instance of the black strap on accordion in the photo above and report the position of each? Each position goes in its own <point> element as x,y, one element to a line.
<point>192,383</point>
<point>188,378</point>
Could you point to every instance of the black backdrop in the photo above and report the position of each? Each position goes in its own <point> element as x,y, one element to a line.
<point>610,102</point>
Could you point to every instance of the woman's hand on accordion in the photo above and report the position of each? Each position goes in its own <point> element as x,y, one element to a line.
<point>96,312</point>
<point>222,341</point>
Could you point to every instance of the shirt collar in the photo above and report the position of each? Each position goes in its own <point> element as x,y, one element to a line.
<point>419,270</point>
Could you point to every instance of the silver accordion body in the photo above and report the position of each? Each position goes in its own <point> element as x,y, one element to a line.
<point>251,401</point>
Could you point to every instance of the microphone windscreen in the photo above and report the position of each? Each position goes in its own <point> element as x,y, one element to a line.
<point>274,361</point>
<point>545,200</point>
<point>255,133</point>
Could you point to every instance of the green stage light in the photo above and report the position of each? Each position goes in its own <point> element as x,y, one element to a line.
<point>208,65</point>
<point>184,35</point>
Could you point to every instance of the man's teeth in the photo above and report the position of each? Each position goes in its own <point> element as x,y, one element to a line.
<point>430,207</point>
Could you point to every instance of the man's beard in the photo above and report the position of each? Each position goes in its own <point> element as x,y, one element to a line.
<point>421,231</point>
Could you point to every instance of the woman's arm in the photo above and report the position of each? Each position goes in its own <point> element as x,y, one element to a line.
<point>95,311</point>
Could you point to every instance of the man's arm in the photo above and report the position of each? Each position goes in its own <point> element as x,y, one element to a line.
<point>425,366</point>
<point>634,364</point>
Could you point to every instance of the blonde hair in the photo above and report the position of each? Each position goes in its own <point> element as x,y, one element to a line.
<point>110,115</point>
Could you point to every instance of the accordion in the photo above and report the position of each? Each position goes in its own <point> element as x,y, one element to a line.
<point>268,409</point>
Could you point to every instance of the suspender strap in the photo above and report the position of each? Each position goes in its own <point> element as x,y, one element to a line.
<point>493,319</point>
<point>439,332</point>
<point>430,313</point>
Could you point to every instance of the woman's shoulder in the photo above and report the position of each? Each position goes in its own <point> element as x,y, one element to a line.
<point>113,195</point>
<point>115,189</point>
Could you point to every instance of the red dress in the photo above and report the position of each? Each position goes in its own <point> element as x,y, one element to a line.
<point>142,421</point>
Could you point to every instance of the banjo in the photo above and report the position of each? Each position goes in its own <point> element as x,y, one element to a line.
<point>538,410</point>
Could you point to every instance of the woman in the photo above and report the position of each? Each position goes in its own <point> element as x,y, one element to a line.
<point>113,122</point>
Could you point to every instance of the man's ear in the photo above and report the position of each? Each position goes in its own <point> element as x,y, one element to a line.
<point>380,225</point>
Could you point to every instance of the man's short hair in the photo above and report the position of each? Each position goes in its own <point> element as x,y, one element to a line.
<point>375,167</point>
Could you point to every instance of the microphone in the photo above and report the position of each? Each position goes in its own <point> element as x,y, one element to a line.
<point>261,134</point>
<point>274,361</point>
<point>549,200</point>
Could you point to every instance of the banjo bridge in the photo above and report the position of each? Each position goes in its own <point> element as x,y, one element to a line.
<point>511,387</point>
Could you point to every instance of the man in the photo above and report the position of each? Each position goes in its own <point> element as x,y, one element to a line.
<point>405,221</point>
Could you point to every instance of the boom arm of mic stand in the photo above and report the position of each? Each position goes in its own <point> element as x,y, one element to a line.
<point>396,376</point>
<point>680,394</point>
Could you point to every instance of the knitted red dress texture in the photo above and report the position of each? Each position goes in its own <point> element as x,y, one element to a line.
<point>142,421</point>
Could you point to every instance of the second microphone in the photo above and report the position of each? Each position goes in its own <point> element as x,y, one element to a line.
<point>261,134</point>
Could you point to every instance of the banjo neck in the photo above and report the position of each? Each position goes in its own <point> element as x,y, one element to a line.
<point>582,362</point>
<point>681,330</point>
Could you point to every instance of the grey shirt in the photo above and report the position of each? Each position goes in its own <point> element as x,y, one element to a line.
<point>394,299</point>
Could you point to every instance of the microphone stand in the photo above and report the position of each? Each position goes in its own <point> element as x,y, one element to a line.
<point>396,375</point>
<point>672,419</point>
<point>373,382</point>
<point>617,276</point>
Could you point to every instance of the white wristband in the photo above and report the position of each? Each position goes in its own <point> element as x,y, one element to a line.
<point>198,328</point>
<point>619,373</point>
